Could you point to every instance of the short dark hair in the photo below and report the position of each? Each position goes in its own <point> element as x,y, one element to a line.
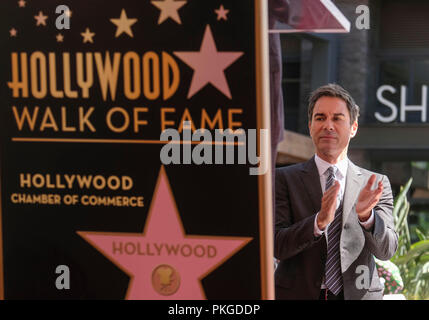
<point>333,90</point>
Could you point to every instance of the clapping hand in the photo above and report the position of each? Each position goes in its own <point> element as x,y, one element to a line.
<point>368,199</point>
<point>328,206</point>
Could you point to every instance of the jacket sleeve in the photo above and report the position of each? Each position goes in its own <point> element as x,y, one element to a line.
<point>291,237</point>
<point>382,239</point>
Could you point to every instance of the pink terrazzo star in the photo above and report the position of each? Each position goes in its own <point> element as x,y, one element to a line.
<point>209,65</point>
<point>164,262</point>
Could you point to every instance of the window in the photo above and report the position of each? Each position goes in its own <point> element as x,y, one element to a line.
<point>291,52</point>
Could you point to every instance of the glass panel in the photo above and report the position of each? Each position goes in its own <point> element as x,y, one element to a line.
<point>404,31</point>
<point>419,81</point>
<point>291,80</point>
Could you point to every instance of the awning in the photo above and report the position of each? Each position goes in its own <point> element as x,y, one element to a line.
<point>320,16</point>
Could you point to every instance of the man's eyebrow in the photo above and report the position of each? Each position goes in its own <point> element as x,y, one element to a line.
<point>318,114</point>
<point>323,115</point>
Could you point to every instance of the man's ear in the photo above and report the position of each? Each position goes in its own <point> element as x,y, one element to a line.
<point>354,129</point>
<point>309,127</point>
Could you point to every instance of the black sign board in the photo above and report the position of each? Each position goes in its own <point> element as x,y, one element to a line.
<point>91,207</point>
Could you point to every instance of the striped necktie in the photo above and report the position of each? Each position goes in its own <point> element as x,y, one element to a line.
<point>333,276</point>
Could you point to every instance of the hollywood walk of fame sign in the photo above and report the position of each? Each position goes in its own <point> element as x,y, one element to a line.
<point>83,186</point>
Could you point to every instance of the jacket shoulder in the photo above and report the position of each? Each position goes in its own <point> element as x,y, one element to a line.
<point>288,170</point>
<point>368,173</point>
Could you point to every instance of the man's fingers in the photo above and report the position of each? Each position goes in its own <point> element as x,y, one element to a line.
<point>370,182</point>
<point>374,202</point>
<point>334,188</point>
<point>368,198</point>
<point>330,196</point>
<point>377,192</point>
<point>374,197</point>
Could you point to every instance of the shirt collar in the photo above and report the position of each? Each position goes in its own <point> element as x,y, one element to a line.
<point>322,165</point>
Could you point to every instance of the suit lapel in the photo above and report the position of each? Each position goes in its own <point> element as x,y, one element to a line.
<point>353,185</point>
<point>311,180</point>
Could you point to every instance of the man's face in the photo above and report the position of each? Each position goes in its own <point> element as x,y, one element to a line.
<point>330,127</point>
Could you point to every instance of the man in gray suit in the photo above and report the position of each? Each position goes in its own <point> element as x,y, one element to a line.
<point>332,217</point>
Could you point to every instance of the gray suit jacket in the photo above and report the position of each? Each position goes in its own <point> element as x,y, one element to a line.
<point>302,256</point>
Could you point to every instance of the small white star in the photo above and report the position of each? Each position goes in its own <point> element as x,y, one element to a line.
<point>13,32</point>
<point>60,37</point>
<point>87,36</point>
<point>221,13</point>
<point>41,19</point>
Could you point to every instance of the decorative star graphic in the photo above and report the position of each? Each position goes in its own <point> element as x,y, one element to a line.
<point>60,37</point>
<point>209,65</point>
<point>13,32</point>
<point>221,13</point>
<point>21,3</point>
<point>123,24</point>
<point>140,255</point>
<point>41,19</point>
<point>169,9</point>
<point>87,36</point>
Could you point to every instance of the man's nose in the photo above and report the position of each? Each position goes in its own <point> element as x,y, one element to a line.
<point>328,125</point>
